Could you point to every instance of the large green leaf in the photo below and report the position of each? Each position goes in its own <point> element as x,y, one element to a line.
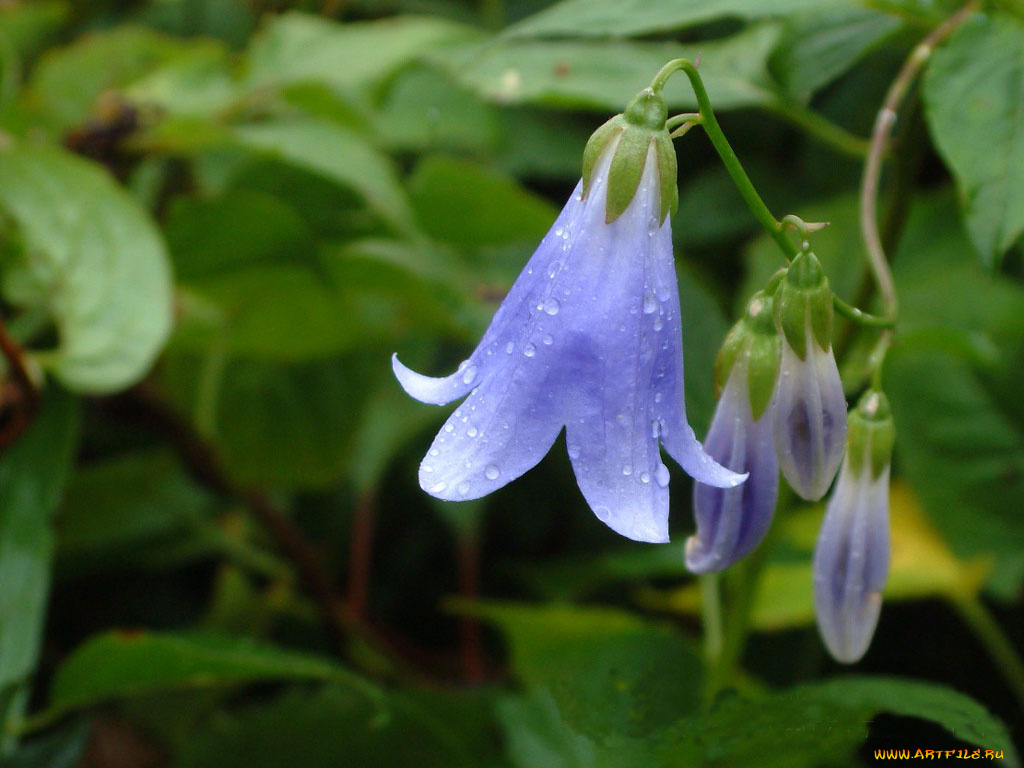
<point>337,153</point>
<point>605,75</point>
<point>296,47</point>
<point>464,203</point>
<point>974,94</point>
<point>818,46</point>
<point>610,673</point>
<point>331,728</point>
<point>117,665</point>
<point>32,476</point>
<point>625,18</point>
<point>93,261</point>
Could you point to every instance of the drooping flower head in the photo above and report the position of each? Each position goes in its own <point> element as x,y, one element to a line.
<point>851,559</point>
<point>731,522</point>
<point>809,421</point>
<point>588,338</point>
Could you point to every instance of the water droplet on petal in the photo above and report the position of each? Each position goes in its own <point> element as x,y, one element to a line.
<point>658,323</point>
<point>448,428</point>
<point>472,432</point>
<point>655,429</point>
<point>661,475</point>
<point>510,348</point>
<point>463,488</point>
<point>650,303</point>
<point>529,350</point>
<point>645,477</point>
<point>553,268</point>
<point>657,397</point>
<point>551,306</point>
<point>653,225</point>
<point>469,375</point>
<point>492,472</point>
<point>548,339</point>
<point>427,468</point>
<point>603,514</point>
<point>558,232</point>
<point>439,487</point>
<point>434,452</point>
<point>574,451</point>
<point>627,470</point>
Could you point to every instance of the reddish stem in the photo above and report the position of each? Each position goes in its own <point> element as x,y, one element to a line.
<point>361,554</point>
<point>469,590</point>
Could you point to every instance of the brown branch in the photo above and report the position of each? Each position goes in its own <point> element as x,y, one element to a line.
<point>469,590</point>
<point>360,554</point>
<point>25,404</point>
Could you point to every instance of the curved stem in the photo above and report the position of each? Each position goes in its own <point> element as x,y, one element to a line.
<point>860,316</point>
<point>880,135</point>
<point>725,151</point>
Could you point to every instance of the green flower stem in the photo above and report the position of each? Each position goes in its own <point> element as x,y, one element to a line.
<point>725,151</point>
<point>861,317</point>
<point>999,647</point>
<point>711,617</point>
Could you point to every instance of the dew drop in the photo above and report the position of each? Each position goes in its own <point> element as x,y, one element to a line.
<point>652,225</point>
<point>551,306</point>
<point>463,488</point>
<point>650,303</point>
<point>434,452</point>
<point>469,375</point>
<point>657,397</point>
<point>658,323</point>
<point>548,339</point>
<point>529,350</point>
<point>574,451</point>
<point>559,231</point>
<point>472,432</point>
<point>510,348</point>
<point>439,487</point>
<point>449,428</point>
<point>627,470</point>
<point>661,475</point>
<point>603,514</point>
<point>427,468</point>
<point>491,472</point>
<point>655,429</point>
<point>645,477</point>
<point>553,268</point>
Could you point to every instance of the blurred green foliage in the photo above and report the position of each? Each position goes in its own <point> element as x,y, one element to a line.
<point>219,218</point>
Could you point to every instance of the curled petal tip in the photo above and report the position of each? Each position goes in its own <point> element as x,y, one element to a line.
<point>427,389</point>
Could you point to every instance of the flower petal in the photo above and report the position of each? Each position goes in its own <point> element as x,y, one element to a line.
<point>731,522</point>
<point>851,562</point>
<point>810,419</point>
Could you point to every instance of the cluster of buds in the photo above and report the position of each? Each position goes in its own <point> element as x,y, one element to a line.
<point>782,407</point>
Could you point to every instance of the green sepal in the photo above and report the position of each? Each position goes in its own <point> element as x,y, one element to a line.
<point>870,433</point>
<point>596,144</point>
<point>804,298</point>
<point>667,174</point>
<point>754,340</point>
<point>626,170</point>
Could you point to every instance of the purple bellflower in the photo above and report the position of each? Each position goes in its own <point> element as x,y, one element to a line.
<point>588,338</point>
<point>851,559</point>
<point>810,407</point>
<point>731,522</point>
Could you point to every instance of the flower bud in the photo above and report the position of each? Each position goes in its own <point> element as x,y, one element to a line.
<point>851,559</point>
<point>810,412</point>
<point>731,522</point>
<point>641,124</point>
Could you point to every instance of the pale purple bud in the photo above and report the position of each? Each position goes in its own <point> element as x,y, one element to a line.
<point>809,419</point>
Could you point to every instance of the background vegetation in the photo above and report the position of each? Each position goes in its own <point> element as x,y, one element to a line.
<point>217,221</point>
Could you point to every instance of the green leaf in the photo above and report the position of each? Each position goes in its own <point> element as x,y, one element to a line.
<point>68,81</point>
<point>974,96</point>
<point>296,47</point>
<point>126,511</point>
<point>604,76</point>
<point>464,203</point>
<point>627,18</point>
<point>819,46</point>
<point>93,261</point>
<point>32,473</point>
<point>330,728</point>
<point>335,153</point>
<point>123,664</point>
<point>610,673</point>
<point>24,26</point>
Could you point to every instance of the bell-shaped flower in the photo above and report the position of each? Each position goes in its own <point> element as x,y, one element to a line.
<point>809,421</point>
<point>731,522</point>
<point>589,339</point>
<point>851,559</point>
